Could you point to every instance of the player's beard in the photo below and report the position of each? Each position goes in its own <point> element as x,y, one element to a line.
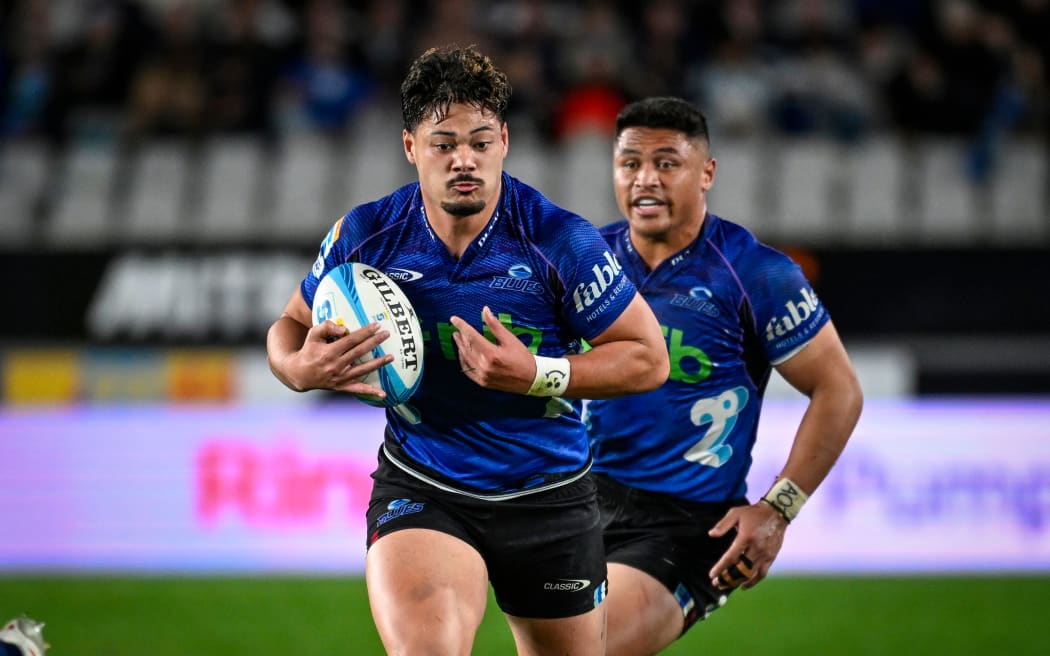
<point>463,208</point>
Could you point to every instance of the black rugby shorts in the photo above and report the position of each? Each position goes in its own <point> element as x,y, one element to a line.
<point>666,538</point>
<point>544,551</point>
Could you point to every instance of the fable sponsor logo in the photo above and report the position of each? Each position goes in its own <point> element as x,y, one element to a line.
<point>587,294</point>
<point>797,311</point>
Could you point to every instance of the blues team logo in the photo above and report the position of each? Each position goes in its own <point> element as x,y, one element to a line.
<point>517,280</point>
<point>399,508</point>
<point>519,271</point>
<point>699,300</point>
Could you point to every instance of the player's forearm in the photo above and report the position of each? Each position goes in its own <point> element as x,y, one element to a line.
<point>618,368</point>
<point>823,433</point>
<point>284,339</point>
<point>630,357</point>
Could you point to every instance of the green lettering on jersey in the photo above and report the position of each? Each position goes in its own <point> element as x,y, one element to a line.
<point>689,364</point>
<point>531,337</point>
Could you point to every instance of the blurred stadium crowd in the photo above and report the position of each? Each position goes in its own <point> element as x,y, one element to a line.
<point>844,68</point>
<point>858,119</point>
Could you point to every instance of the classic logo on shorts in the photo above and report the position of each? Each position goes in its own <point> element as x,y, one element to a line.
<point>398,508</point>
<point>567,585</point>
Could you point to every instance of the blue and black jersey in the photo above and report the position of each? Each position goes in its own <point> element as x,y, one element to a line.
<point>730,308</point>
<point>549,277</point>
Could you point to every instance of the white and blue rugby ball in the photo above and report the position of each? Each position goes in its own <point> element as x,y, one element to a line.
<point>355,295</point>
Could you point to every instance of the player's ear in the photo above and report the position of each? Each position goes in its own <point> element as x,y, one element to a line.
<point>410,146</point>
<point>709,173</point>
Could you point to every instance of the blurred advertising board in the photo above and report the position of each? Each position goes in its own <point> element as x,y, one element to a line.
<point>924,486</point>
<point>195,296</point>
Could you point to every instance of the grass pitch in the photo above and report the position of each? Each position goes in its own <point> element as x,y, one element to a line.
<point>170,616</point>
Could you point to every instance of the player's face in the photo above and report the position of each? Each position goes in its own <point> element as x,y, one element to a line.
<point>661,178</point>
<point>459,160</point>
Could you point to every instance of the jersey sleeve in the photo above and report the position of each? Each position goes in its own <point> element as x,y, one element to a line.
<point>332,252</point>
<point>345,239</point>
<point>787,312</point>
<point>597,290</point>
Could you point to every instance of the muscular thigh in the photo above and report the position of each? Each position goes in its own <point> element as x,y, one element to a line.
<point>427,581</point>
<point>580,635</point>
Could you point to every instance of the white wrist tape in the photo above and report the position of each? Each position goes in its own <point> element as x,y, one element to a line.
<point>786,498</point>
<point>552,377</point>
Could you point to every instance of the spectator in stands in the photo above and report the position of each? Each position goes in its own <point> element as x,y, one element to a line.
<point>25,71</point>
<point>533,104</point>
<point>322,89</point>
<point>92,74</point>
<point>820,91</point>
<point>169,92</point>
<point>972,72</point>
<point>737,88</point>
<point>451,21</point>
<point>916,96</point>
<point>387,27</point>
<point>247,42</point>
<point>666,40</point>
<point>596,65</point>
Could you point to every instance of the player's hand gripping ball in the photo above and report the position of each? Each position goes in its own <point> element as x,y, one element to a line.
<point>354,295</point>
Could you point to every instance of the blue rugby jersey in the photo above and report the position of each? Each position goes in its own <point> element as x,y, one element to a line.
<point>730,307</point>
<point>550,278</point>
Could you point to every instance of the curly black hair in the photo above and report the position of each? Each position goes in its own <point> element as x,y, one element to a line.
<point>665,112</point>
<point>441,77</point>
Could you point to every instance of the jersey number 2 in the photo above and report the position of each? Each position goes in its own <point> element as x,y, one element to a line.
<point>720,412</point>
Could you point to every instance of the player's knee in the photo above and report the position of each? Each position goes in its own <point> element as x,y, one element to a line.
<point>433,621</point>
<point>432,636</point>
<point>643,617</point>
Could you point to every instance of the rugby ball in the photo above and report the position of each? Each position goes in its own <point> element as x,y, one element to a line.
<point>355,295</point>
